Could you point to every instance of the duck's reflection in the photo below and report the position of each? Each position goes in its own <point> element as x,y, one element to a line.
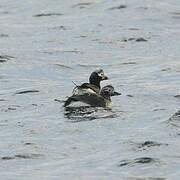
<point>87,113</point>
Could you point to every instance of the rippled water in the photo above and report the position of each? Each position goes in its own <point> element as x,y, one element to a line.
<point>45,45</point>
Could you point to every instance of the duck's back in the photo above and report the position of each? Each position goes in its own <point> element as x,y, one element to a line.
<point>86,87</point>
<point>92,99</point>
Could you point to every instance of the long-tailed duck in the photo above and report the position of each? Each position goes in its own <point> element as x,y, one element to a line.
<point>93,87</point>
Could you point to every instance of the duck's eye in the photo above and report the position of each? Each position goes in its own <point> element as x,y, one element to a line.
<point>101,74</point>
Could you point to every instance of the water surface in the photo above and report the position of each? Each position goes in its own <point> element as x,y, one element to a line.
<point>45,45</point>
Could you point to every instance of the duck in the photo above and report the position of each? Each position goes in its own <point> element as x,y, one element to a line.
<point>103,99</point>
<point>94,81</point>
<point>93,87</point>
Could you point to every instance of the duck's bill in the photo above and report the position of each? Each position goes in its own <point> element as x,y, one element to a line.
<point>116,94</point>
<point>104,77</point>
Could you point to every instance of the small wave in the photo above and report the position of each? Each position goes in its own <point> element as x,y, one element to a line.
<point>107,65</point>
<point>22,156</point>
<point>140,146</point>
<point>118,7</point>
<point>64,66</point>
<point>48,14</point>
<point>82,5</point>
<point>27,91</point>
<point>141,160</point>
<point>4,58</point>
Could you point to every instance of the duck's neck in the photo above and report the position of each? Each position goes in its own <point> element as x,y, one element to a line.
<point>96,83</point>
<point>107,98</point>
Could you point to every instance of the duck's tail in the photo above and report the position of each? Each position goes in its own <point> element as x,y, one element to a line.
<point>72,98</point>
<point>75,88</point>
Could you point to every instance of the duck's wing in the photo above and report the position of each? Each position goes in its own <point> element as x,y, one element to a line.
<point>88,98</point>
<point>82,93</point>
<point>93,99</point>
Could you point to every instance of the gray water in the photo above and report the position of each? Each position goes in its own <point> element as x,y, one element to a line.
<point>45,45</point>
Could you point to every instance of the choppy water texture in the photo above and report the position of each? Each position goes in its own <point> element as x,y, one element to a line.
<point>45,45</point>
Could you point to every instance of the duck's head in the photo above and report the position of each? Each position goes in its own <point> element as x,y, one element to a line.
<point>108,91</point>
<point>97,76</point>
